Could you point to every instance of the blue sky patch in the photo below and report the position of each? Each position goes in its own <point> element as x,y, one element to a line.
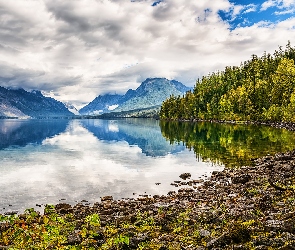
<point>247,13</point>
<point>157,2</point>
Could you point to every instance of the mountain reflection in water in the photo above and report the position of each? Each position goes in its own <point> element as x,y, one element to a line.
<point>144,133</point>
<point>15,132</point>
<point>44,161</point>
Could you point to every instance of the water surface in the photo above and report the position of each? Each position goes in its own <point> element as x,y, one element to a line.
<point>52,161</point>
<point>232,145</point>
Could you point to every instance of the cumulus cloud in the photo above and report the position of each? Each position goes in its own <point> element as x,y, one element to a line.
<point>75,50</point>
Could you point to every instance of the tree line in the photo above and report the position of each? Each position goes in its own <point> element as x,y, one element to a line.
<point>260,89</point>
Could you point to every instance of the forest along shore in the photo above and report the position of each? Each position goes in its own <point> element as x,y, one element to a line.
<point>252,207</point>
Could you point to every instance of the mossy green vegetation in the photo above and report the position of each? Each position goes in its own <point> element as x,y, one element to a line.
<point>54,231</point>
<point>170,229</point>
<point>260,89</point>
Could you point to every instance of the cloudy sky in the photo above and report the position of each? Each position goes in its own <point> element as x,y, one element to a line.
<point>74,50</point>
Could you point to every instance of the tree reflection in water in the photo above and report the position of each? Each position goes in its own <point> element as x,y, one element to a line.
<point>228,144</point>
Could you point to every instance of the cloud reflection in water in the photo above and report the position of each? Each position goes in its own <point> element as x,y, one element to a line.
<point>87,162</point>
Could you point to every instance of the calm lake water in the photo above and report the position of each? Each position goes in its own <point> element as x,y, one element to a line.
<point>52,161</point>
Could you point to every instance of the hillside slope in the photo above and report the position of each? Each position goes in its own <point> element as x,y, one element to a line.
<point>152,92</point>
<point>23,104</point>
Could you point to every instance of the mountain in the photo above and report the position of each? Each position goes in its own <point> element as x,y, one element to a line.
<point>101,104</point>
<point>71,108</point>
<point>152,92</point>
<point>20,103</point>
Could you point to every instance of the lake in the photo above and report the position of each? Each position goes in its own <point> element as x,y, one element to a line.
<point>53,161</point>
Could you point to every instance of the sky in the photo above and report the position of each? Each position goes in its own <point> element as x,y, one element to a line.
<point>75,50</point>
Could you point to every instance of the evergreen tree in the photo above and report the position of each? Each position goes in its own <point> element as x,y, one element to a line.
<point>260,89</point>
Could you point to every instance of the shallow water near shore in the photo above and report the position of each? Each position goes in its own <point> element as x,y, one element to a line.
<point>53,161</point>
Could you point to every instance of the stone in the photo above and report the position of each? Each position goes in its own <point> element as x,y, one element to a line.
<point>185,176</point>
<point>107,198</point>
<point>243,178</point>
<point>74,238</point>
<point>63,208</point>
<point>204,233</point>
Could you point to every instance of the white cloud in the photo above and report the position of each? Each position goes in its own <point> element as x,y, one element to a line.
<point>268,4</point>
<point>250,8</point>
<point>285,6</point>
<point>284,12</point>
<point>75,50</point>
<point>288,3</point>
<point>238,9</point>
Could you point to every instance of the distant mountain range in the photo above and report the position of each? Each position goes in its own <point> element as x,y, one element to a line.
<point>148,97</point>
<point>19,103</point>
<point>152,92</point>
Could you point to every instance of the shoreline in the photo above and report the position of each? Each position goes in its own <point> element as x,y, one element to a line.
<point>281,125</point>
<point>251,207</point>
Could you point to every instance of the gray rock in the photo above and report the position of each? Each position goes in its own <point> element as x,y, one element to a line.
<point>74,238</point>
<point>204,233</point>
<point>243,178</point>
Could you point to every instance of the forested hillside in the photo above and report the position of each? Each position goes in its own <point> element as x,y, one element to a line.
<point>260,89</point>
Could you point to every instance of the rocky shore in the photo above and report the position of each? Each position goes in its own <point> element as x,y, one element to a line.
<point>251,207</point>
